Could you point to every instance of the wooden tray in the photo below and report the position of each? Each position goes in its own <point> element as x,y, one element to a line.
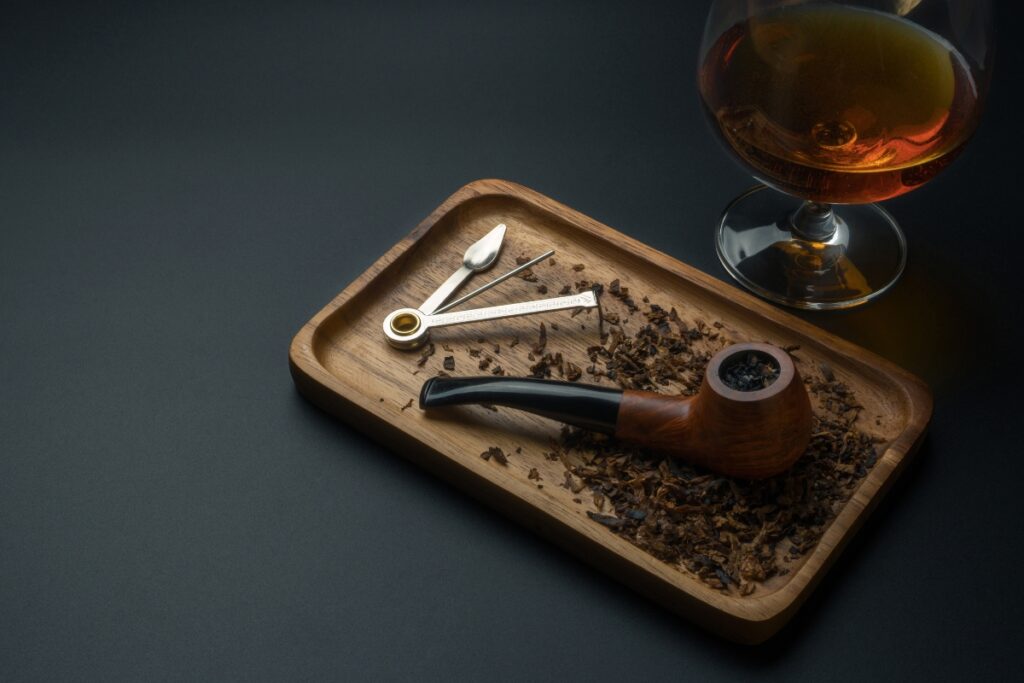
<point>340,361</point>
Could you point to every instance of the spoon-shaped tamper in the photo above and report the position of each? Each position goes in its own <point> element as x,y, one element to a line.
<point>481,255</point>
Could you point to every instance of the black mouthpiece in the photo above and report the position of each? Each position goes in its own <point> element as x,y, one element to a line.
<point>594,408</point>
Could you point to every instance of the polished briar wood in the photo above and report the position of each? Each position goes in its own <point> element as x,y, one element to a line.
<point>339,361</point>
<point>748,434</point>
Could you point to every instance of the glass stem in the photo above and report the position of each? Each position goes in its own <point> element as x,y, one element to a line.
<point>814,222</point>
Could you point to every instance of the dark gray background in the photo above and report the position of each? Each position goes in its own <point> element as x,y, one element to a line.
<point>181,187</point>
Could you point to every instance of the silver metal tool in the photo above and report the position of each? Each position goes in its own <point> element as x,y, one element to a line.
<point>409,328</point>
<point>495,281</point>
<point>481,255</point>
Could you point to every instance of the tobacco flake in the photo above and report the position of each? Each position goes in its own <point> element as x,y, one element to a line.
<point>542,340</point>
<point>497,454</point>
<point>426,353</point>
<point>572,372</point>
<point>607,520</point>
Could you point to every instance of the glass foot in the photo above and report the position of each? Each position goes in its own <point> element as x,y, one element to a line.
<point>808,255</point>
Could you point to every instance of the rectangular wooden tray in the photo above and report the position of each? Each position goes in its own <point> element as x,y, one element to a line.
<point>340,361</point>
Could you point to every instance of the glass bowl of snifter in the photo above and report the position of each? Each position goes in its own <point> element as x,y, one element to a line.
<point>834,106</point>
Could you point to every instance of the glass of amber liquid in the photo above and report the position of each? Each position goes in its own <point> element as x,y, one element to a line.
<point>835,106</point>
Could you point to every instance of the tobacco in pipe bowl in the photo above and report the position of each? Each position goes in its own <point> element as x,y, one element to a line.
<point>757,430</point>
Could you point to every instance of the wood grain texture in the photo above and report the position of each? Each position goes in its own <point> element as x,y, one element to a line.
<point>752,435</point>
<point>340,361</point>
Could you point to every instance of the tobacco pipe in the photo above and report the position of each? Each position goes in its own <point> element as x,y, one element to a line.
<point>745,434</point>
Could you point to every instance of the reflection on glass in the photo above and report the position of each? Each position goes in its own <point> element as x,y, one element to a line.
<point>836,103</point>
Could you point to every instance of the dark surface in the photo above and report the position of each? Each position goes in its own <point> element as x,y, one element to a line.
<point>182,187</point>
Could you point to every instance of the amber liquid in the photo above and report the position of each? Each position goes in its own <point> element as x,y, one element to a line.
<point>837,104</point>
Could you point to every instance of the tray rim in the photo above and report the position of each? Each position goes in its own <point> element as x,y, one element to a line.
<point>751,619</point>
